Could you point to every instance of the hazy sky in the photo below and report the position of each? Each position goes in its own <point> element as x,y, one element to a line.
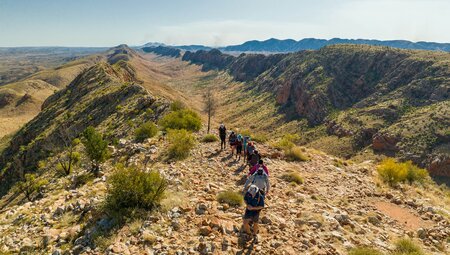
<point>217,23</point>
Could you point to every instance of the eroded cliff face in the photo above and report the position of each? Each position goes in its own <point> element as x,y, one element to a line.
<point>371,94</point>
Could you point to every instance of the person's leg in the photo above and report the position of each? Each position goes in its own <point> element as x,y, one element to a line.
<point>246,226</point>
<point>255,228</point>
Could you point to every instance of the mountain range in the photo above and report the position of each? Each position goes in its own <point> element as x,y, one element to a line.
<point>289,45</point>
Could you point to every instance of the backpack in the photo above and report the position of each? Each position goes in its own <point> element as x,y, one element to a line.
<point>250,150</point>
<point>260,180</point>
<point>222,131</point>
<point>233,139</point>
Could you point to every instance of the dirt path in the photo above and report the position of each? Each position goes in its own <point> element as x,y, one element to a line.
<point>402,215</point>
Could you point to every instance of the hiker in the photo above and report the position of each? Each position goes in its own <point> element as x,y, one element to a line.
<point>245,142</point>
<point>255,203</point>
<point>257,166</point>
<point>254,158</point>
<point>239,142</point>
<point>232,140</point>
<point>260,179</point>
<point>223,136</point>
<point>249,151</point>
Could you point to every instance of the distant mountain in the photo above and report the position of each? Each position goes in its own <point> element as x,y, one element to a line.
<point>152,44</point>
<point>193,47</point>
<point>289,45</point>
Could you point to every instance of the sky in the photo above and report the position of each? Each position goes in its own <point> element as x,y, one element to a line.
<point>217,23</point>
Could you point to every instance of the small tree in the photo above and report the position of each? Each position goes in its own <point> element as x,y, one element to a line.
<point>210,106</point>
<point>66,141</point>
<point>96,148</point>
<point>30,185</point>
<point>68,159</point>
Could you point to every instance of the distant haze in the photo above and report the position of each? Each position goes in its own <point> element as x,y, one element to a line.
<point>217,23</point>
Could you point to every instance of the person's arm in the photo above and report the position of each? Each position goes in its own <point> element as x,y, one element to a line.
<point>253,170</point>
<point>254,208</point>
<point>266,170</point>
<point>247,183</point>
<point>267,185</point>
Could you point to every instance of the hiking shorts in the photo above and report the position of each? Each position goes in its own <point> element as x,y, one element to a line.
<point>239,149</point>
<point>253,216</point>
<point>222,137</point>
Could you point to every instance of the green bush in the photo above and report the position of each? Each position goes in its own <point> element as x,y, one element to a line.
<point>210,138</point>
<point>295,154</point>
<point>230,197</point>
<point>407,247</point>
<point>181,119</point>
<point>259,138</point>
<point>364,251</point>
<point>146,130</point>
<point>177,105</point>
<point>292,177</point>
<point>393,172</point>
<point>287,141</point>
<point>30,185</point>
<point>96,147</point>
<point>415,173</point>
<point>181,142</point>
<point>130,188</point>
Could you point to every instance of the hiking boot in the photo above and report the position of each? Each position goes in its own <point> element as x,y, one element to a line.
<point>255,239</point>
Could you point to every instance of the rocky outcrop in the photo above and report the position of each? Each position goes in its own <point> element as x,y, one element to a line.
<point>164,51</point>
<point>210,60</point>
<point>385,142</point>
<point>249,66</point>
<point>439,165</point>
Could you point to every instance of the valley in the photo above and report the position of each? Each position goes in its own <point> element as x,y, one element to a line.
<point>342,101</point>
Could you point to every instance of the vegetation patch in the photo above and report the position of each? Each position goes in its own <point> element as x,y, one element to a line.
<point>145,131</point>
<point>393,172</point>
<point>293,177</point>
<point>181,119</point>
<point>96,148</point>
<point>286,142</point>
<point>133,188</point>
<point>30,185</point>
<point>230,197</point>
<point>210,138</point>
<point>407,247</point>
<point>181,142</point>
<point>295,154</point>
<point>364,251</point>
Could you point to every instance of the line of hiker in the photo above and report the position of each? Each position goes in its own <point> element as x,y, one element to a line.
<point>257,185</point>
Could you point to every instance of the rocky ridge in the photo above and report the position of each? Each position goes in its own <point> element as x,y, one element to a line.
<point>336,208</point>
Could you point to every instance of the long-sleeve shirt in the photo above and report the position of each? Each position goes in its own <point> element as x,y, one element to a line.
<point>256,167</point>
<point>261,181</point>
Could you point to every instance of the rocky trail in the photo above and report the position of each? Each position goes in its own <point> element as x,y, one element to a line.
<point>336,208</point>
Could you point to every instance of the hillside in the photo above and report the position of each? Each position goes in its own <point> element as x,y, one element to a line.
<point>337,204</point>
<point>20,101</point>
<point>348,98</point>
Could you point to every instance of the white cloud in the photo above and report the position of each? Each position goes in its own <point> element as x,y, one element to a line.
<point>383,19</point>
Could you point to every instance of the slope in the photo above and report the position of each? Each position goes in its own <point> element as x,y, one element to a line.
<point>21,101</point>
<point>345,98</point>
<point>97,96</point>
